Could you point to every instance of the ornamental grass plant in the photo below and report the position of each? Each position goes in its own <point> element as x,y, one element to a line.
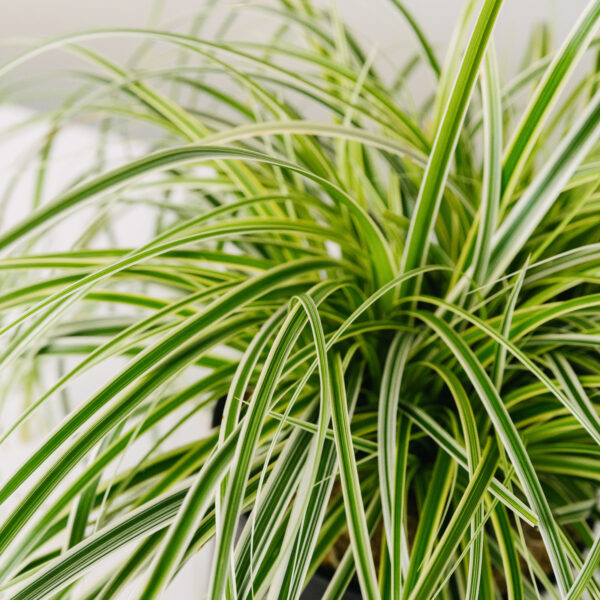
<point>395,300</point>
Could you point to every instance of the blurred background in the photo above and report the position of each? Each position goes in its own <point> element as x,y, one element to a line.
<point>374,21</point>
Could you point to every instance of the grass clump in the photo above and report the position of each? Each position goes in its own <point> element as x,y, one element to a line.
<point>396,299</point>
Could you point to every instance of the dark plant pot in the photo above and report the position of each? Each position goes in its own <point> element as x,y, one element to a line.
<point>318,584</point>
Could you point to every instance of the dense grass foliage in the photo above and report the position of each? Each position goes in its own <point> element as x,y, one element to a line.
<point>397,300</point>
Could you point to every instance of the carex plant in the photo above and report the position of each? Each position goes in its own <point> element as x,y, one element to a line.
<point>394,297</point>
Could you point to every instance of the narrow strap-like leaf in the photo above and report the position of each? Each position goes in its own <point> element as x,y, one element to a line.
<point>512,442</point>
<point>587,572</point>
<point>492,162</point>
<point>357,523</point>
<point>387,433</point>
<point>546,93</point>
<point>459,522</point>
<point>542,192</point>
<point>434,179</point>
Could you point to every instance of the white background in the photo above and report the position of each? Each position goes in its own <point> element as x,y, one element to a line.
<point>375,20</point>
